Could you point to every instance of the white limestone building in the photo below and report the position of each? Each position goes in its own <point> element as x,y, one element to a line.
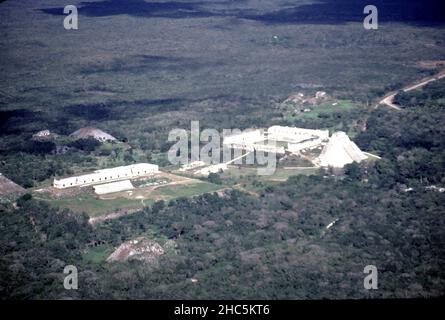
<point>112,187</point>
<point>306,144</point>
<point>295,135</point>
<point>192,165</point>
<point>296,138</point>
<point>269,148</point>
<point>107,175</point>
<point>244,138</point>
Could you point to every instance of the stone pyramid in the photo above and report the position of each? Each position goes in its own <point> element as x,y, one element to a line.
<point>340,151</point>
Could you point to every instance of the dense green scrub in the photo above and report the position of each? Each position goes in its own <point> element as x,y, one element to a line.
<point>272,246</point>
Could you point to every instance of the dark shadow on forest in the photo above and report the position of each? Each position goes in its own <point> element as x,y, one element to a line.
<point>139,8</point>
<point>343,11</point>
<point>138,64</point>
<point>118,110</point>
<point>10,120</point>
<point>326,12</point>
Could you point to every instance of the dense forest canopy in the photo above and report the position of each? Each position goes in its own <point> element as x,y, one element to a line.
<point>274,246</point>
<point>433,96</point>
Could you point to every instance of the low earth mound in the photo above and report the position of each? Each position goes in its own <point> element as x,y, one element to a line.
<point>90,132</point>
<point>142,249</point>
<point>8,188</point>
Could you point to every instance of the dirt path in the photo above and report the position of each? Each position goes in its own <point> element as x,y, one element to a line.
<point>388,100</point>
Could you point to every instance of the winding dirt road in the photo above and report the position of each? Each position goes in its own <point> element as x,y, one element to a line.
<point>388,100</point>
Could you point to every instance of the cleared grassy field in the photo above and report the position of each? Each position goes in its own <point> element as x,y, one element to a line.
<point>121,201</point>
<point>280,173</point>
<point>247,180</point>
<point>98,254</point>
<point>322,109</point>
<point>94,207</point>
<point>189,190</point>
<point>284,174</point>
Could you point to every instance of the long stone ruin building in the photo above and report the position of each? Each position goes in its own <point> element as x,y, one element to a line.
<point>295,135</point>
<point>107,175</point>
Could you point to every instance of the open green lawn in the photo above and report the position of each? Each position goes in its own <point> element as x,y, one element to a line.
<point>186,190</point>
<point>94,207</point>
<point>246,178</point>
<point>89,204</point>
<point>283,174</point>
<point>98,254</point>
<point>280,173</point>
<point>322,109</point>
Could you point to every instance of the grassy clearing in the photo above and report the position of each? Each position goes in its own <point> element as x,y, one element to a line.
<point>246,178</point>
<point>322,110</point>
<point>280,173</point>
<point>92,206</point>
<point>97,254</point>
<point>187,190</point>
<point>284,174</point>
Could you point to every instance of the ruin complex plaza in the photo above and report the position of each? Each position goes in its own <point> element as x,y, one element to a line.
<point>333,151</point>
<point>337,150</point>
